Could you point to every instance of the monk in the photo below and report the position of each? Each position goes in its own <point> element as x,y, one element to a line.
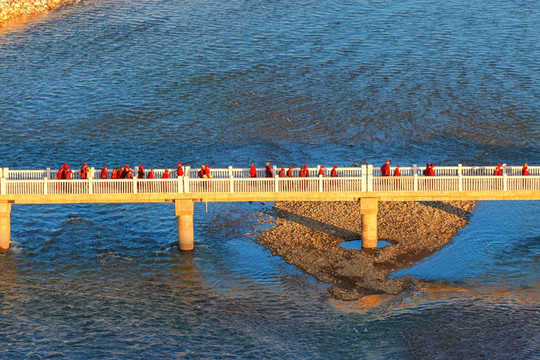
<point>207,173</point>
<point>201,172</point>
<point>321,171</point>
<point>268,171</point>
<point>290,172</point>
<point>129,174</point>
<point>281,173</point>
<point>333,173</point>
<point>385,169</point>
<point>114,174</point>
<point>140,173</point>
<point>67,173</point>
<point>151,174</point>
<point>165,174</point>
<point>83,174</point>
<point>397,172</point>
<point>498,170</point>
<point>179,170</point>
<point>524,170</point>
<point>104,173</point>
<point>252,171</point>
<point>60,174</point>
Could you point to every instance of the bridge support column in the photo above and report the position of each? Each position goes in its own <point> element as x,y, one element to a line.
<point>368,211</point>
<point>5,226</point>
<point>184,216</point>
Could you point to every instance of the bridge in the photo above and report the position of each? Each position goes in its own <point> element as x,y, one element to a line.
<point>364,184</point>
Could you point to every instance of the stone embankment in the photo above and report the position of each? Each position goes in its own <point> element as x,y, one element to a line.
<point>308,235</point>
<point>14,8</point>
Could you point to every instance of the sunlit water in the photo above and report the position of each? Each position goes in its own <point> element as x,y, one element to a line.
<point>230,83</point>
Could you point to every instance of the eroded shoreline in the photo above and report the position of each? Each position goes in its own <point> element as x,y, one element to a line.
<point>308,234</point>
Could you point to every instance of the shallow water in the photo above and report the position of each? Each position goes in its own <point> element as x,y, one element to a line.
<point>230,83</point>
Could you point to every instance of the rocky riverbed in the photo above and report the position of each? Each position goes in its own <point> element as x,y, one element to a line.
<point>14,8</point>
<point>308,235</point>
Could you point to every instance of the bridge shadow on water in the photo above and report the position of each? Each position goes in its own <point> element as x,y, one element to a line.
<point>448,208</point>
<point>318,225</point>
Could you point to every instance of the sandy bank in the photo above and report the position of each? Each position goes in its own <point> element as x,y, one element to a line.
<point>308,234</point>
<point>13,8</point>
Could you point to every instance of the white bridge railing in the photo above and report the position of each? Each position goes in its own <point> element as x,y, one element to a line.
<point>231,180</point>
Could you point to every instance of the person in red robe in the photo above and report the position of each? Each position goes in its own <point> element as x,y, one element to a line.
<point>60,174</point>
<point>179,170</point>
<point>129,174</point>
<point>321,171</point>
<point>268,171</point>
<point>165,174</point>
<point>67,173</point>
<point>524,170</point>
<point>83,174</point>
<point>290,172</point>
<point>431,170</point>
<point>333,173</point>
<point>281,173</point>
<point>498,170</point>
<point>397,173</point>
<point>252,171</point>
<point>104,173</point>
<point>385,169</point>
<point>114,174</point>
<point>140,173</point>
<point>306,171</point>
<point>151,174</point>
<point>201,173</point>
<point>207,173</point>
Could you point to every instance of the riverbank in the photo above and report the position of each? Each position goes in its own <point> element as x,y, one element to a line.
<point>308,235</point>
<point>13,8</point>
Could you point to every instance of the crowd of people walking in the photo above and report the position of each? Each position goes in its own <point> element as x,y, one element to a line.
<point>126,172</point>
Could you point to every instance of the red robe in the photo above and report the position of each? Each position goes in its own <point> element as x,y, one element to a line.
<point>180,171</point>
<point>333,173</point>
<point>269,172</point>
<point>289,173</point>
<point>497,172</point>
<point>397,172</point>
<point>151,175</point>
<point>281,173</point>
<point>385,170</point>
<point>165,175</point>
<point>104,173</point>
<point>525,172</point>
<point>321,172</point>
<point>252,171</point>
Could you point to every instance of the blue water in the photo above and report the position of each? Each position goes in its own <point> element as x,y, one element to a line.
<point>230,83</point>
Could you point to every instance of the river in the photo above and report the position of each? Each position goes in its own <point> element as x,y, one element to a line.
<point>114,82</point>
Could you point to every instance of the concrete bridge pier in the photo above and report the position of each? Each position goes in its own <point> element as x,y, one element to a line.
<point>368,211</point>
<point>5,226</point>
<point>184,216</point>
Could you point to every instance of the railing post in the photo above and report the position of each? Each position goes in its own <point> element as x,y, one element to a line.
<point>186,179</point>
<point>505,182</point>
<point>48,173</point>
<point>415,179</point>
<point>320,183</point>
<point>45,186</point>
<point>134,185</point>
<point>370,177</point>
<point>414,169</point>
<point>363,173</point>
<point>179,183</point>
<point>231,183</point>
<point>3,185</point>
<point>6,173</point>
<point>460,177</point>
<point>230,172</point>
<point>276,183</point>
<point>90,185</point>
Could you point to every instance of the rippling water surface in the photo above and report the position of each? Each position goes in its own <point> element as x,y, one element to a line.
<point>229,83</point>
